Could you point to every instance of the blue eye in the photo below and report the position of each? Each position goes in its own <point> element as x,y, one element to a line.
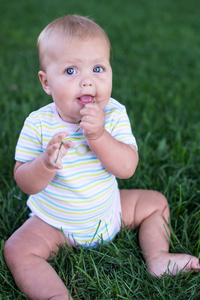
<point>70,71</point>
<point>98,69</point>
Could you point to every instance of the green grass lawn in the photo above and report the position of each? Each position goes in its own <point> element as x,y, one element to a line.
<point>156,66</point>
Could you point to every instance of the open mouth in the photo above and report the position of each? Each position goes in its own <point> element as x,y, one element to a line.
<point>85,99</point>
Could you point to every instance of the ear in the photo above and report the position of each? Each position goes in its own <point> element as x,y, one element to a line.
<point>43,79</point>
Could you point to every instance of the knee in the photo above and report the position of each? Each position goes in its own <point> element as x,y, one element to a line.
<point>9,252</point>
<point>161,204</point>
<point>25,245</point>
<point>162,199</point>
<point>15,249</point>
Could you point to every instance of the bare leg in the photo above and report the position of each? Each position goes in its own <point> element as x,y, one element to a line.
<point>26,252</point>
<point>149,210</point>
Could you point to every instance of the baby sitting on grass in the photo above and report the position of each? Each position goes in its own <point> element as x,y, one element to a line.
<point>70,174</point>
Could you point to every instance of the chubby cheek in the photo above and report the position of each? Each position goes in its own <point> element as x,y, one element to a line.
<point>107,94</point>
<point>61,93</point>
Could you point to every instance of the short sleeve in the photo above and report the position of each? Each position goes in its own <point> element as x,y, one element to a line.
<point>29,144</point>
<point>122,129</point>
<point>117,123</point>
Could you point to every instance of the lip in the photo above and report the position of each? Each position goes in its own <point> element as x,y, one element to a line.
<point>85,99</point>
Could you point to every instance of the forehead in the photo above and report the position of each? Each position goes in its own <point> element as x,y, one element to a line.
<point>90,46</point>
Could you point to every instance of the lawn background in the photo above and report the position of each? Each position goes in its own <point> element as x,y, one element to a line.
<point>156,66</point>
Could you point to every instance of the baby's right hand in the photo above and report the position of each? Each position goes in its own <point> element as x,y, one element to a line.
<point>53,155</point>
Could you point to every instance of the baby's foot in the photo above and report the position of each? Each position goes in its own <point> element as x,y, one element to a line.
<point>62,297</point>
<point>172,264</point>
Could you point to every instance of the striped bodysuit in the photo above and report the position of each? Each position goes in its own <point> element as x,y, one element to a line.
<point>83,198</point>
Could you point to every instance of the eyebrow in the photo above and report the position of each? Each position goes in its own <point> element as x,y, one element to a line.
<point>77,60</point>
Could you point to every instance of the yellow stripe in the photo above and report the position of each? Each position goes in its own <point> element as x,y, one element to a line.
<point>80,164</point>
<point>50,127</point>
<point>122,125</point>
<point>32,128</point>
<point>43,114</point>
<point>85,201</point>
<point>79,177</point>
<point>73,213</point>
<point>110,112</point>
<point>24,151</point>
<point>27,139</point>
<point>80,191</point>
<point>96,236</point>
<point>66,222</point>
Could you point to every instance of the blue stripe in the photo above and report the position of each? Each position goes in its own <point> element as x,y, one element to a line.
<point>91,182</point>
<point>31,137</point>
<point>91,197</point>
<point>80,160</point>
<point>19,147</point>
<point>96,171</point>
<point>74,209</point>
<point>72,220</point>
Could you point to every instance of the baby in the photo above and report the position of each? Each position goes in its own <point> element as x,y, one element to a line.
<point>68,156</point>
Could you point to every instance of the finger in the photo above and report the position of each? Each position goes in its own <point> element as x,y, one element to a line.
<point>58,166</point>
<point>91,127</point>
<point>89,119</point>
<point>90,109</point>
<point>57,138</point>
<point>68,144</point>
<point>91,105</point>
<point>52,148</point>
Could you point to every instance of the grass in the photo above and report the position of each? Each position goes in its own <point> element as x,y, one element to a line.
<point>156,66</point>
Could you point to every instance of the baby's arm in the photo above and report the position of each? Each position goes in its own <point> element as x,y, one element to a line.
<point>33,176</point>
<point>117,157</point>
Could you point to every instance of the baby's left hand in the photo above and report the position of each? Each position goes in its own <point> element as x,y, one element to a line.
<point>92,121</point>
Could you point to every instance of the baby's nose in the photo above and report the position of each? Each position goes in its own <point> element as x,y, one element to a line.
<point>86,82</point>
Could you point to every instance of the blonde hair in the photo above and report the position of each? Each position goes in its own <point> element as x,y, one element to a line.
<point>68,26</point>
